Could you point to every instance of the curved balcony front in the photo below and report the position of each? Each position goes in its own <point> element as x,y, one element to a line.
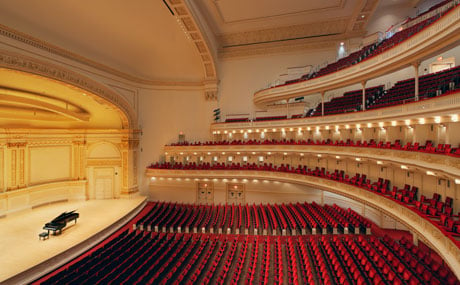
<point>442,34</point>
<point>443,166</point>
<point>444,105</point>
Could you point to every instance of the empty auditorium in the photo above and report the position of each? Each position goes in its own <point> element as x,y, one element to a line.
<point>230,142</point>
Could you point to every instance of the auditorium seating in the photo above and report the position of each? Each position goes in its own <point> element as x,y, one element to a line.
<point>438,212</point>
<point>140,257</point>
<point>375,48</point>
<point>278,218</point>
<point>271,118</point>
<point>234,120</point>
<point>430,85</point>
<point>351,101</point>
<point>428,147</point>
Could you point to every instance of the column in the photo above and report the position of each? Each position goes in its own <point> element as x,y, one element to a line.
<point>16,164</point>
<point>287,108</point>
<point>363,84</point>
<point>21,165</point>
<point>414,238</point>
<point>322,103</point>
<point>2,172</point>
<point>416,66</point>
<point>79,172</point>
<point>129,166</point>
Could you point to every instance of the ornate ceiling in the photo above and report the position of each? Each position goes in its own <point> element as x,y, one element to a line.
<point>257,26</point>
<point>179,42</point>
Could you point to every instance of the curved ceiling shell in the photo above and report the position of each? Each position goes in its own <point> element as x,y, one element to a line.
<point>32,101</point>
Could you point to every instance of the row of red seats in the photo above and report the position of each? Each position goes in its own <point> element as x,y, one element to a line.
<point>284,217</point>
<point>159,258</point>
<point>370,50</point>
<point>428,147</point>
<point>428,87</point>
<point>449,225</point>
<point>350,101</point>
<point>228,262</point>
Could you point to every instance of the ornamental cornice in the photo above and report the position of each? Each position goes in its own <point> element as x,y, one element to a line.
<point>425,229</point>
<point>55,50</point>
<point>16,144</point>
<point>331,27</point>
<point>196,35</point>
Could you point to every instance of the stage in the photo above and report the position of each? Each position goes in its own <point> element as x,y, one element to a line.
<point>21,248</point>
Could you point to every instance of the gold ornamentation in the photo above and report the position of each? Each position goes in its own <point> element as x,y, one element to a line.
<point>103,162</point>
<point>31,65</point>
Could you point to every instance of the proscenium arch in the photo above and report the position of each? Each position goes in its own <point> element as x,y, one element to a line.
<point>425,229</point>
<point>18,62</point>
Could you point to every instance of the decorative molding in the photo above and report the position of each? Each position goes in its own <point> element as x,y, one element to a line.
<point>253,41</point>
<point>55,50</point>
<point>27,64</point>
<point>336,26</point>
<point>16,144</point>
<point>431,234</point>
<point>320,43</point>
<point>103,162</point>
<point>197,37</point>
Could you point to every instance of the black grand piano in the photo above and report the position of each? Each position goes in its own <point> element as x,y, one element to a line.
<point>58,223</point>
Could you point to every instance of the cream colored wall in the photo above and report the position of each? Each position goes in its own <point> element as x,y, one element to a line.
<point>49,163</point>
<point>240,78</point>
<point>163,115</point>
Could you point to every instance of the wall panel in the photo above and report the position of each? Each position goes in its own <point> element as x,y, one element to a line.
<point>50,163</point>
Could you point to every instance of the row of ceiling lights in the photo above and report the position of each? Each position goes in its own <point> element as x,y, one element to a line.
<point>184,29</point>
<point>382,125</point>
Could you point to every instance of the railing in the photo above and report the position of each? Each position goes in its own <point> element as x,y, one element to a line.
<point>429,107</point>
<point>438,35</point>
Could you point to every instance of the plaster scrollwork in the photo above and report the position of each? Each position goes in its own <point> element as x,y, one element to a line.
<point>31,65</point>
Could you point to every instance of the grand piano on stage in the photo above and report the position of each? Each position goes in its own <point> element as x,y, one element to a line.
<point>58,223</point>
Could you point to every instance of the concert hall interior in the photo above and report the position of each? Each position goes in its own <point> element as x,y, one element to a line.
<point>230,142</point>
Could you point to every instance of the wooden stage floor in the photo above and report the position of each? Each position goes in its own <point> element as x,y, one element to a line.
<point>20,247</point>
